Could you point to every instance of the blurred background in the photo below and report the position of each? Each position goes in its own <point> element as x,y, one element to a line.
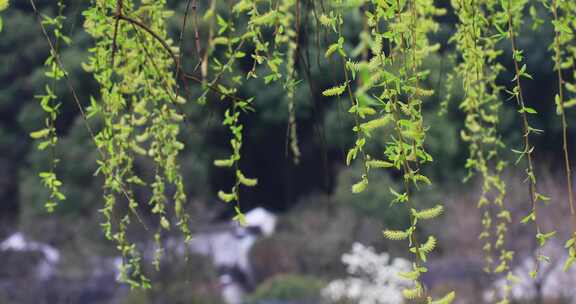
<point>309,238</point>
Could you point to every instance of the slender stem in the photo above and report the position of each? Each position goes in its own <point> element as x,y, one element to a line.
<point>562,113</point>
<point>119,7</point>
<point>525,126</point>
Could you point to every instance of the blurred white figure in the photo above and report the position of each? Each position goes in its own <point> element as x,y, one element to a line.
<point>232,292</point>
<point>373,278</point>
<point>261,219</point>
<point>18,242</point>
<point>229,247</point>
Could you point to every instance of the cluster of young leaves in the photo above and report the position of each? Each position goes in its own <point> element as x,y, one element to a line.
<point>138,107</point>
<point>386,96</point>
<point>277,55</point>
<point>404,27</point>
<point>508,17</point>
<point>359,108</point>
<point>479,69</point>
<point>233,40</point>
<point>563,14</point>
<point>48,136</point>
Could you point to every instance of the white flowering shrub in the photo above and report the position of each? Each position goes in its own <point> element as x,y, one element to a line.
<point>372,278</point>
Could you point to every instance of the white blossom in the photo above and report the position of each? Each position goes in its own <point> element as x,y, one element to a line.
<point>372,278</point>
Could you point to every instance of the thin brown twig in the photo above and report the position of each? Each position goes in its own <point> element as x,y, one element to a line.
<point>175,57</point>
<point>119,7</point>
<point>181,38</point>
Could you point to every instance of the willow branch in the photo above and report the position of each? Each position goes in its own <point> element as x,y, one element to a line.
<point>79,104</point>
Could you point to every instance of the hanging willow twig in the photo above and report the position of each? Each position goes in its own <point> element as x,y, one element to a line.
<point>479,70</point>
<point>563,13</point>
<point>513,13</point>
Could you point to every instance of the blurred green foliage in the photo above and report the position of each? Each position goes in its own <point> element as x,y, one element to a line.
<point>288,287</point>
